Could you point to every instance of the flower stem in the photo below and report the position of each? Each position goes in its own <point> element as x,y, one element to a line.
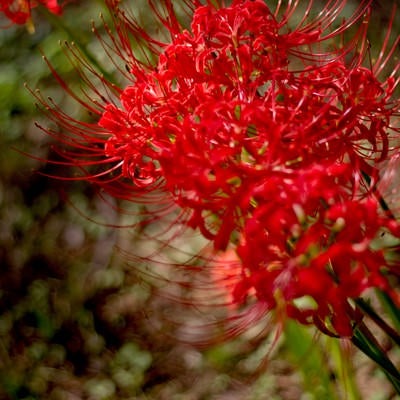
<point>366,308</point>
<point>392,310</point>
<point>344,367</point>
<point>364,340</point>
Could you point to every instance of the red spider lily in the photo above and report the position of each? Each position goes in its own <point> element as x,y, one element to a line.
<point>19,11</point>
<point>267,135</point>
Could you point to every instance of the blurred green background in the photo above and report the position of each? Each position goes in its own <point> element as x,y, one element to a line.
<point>74,318</point>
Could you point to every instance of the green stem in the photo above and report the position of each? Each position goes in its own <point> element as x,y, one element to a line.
<point>392,310</point>
<point>366,308</point>
<point>366,342</point>
<point>344,367</point>
<point>362,338</point>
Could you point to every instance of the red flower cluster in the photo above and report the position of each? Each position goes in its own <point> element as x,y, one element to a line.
<point>19,11</point>
<point>271,143</point>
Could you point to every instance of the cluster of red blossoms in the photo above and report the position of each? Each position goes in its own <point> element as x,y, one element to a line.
<point>270,136</point>
<point>19,11</point>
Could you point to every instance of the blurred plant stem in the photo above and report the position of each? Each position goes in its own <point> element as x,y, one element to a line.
<point>344,367</point>
<point>392,310</point>
<point>364,340</point>
<point>308,357</point>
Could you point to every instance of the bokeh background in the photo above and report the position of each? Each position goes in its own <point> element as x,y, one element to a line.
<point>76,321</point>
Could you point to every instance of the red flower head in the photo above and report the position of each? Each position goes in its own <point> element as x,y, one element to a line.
<point>268,135</point>
<point>19,11</point>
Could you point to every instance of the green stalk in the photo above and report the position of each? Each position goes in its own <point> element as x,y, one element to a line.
<point>392,310</point>
<point>363,338</point>
<point>366,342</point>
<point>344,368</point>
<point>366,308</point>
<point>308,356</point>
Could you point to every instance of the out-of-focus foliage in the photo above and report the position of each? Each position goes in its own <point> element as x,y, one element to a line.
<point>74,319</point>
